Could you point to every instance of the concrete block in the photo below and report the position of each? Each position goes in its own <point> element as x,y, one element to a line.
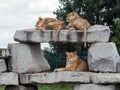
<point>96,33</point>
<point>9,78</point>
<point>105,78</point>
<point>27,58</point>
<point>103,57</point>
<point>55,77</point>
<point>95,87</point>
<point>3,66</point>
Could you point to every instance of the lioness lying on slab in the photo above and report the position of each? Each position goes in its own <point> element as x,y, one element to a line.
<point>50,24</point>
<point>73,63</point>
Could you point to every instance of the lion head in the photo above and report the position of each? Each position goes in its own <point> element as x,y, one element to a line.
<point>39,22</point>
<point>72,16</point>
<point>72,55</point>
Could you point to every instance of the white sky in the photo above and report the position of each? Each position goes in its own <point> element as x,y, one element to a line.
<point>22,14</point>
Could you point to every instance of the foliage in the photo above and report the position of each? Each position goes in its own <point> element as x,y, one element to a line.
<point>1,87</point>
<point>58,59</point>
<point>55,60</point>
<point>56,87</point>
<point>96,12</point>
<point>116,35</point>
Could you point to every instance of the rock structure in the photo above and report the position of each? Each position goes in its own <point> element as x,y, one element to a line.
<point>103,57</point>
<point>23,63</point>
<point>29,54</point>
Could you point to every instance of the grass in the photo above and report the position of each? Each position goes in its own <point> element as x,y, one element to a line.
<point>51,87</point>
<point>56,87</point>
<point>1,87</point>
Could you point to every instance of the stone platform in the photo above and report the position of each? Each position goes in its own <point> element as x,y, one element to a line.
<point>96,33</point>
<point>70,77</point>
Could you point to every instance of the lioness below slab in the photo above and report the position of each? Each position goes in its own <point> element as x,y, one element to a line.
<point>77,22</point>
<point>73,63</point>
<point>50,24</point>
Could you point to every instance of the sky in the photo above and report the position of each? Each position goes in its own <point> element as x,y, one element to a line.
<point>22,14</point>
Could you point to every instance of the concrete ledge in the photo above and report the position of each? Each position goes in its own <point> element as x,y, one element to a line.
<point>4,53</point>
<point>105,78</point>
<point>70,77</point>
<point>96,33</point>
<point>9,78</point>
<point>55,77</point>
<point>96,87</point>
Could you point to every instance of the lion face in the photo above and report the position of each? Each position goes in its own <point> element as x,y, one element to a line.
<point>71,55</point>
<point>71,16</point>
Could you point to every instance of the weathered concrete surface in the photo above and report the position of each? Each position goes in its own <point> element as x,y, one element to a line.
<point>3,66</point>
<point>105,78</point>
<point>9,78</point>
<point>96,33</point>
<point>103,57</point>
<point>27,58</point>
<point>21,87</point>
<point>118,67</point>
<point>70,77</point>
<point>4,53</point>
<point>96,87</point>
<point>55,77</point>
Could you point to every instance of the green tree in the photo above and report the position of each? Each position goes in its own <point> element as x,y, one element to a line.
<point>95,11</point>
<point>116,35</point>
<point>102,12</point>
<point>55,59</point>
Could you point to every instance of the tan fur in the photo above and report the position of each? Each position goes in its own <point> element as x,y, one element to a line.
<point>73,63</point>
<point>42,23</point>
<point>50,24</point>
<point>77,22</point>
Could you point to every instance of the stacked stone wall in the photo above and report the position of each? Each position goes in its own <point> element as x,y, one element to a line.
<point>22,64</point>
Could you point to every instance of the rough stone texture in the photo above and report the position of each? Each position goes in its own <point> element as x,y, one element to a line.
<point>4,53</point>
<point>55,77</point>
<point>70,77</point>
<point>3,67</point>
<point>96,33</point>
<point>118,67</point>
<point>102,57</point>
<point>96,87</point>
<point>105,78</point>
<point>9,78</point>
<point>27,58</point>
<point>21,87</point>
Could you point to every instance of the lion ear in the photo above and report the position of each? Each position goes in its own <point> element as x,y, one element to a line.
<point>75,52</point>
<point>66,53</point>
<point>74,12</point>
<point>40,18</point>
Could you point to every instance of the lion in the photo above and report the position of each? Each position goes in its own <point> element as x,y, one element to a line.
<point>73,63</point>
<point>50,24</point>
<point>42,23</point>
<point>77,22</point>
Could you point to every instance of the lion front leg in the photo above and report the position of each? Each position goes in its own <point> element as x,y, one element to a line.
<point>64,69</point>
<point>60,69</point>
